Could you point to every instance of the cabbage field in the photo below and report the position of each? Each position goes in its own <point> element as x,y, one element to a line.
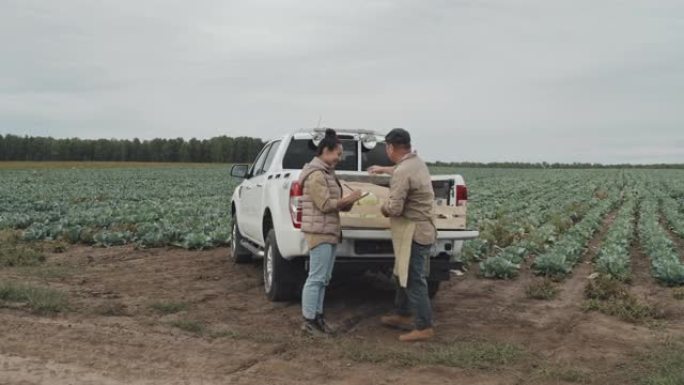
<point>542,218</point>
<point>150,207</point>
<point>548,217</point>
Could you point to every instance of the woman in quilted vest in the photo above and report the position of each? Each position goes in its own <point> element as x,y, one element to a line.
<point>322,202</point>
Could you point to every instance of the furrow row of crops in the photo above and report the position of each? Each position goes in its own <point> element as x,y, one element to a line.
<point>560,259</point>
<point>505,225</point>
<point>613,259</point>
<point>567,210</point>
<point>496,205</point>
<point>666,265</point>
<point>674,214</point>
<point>506,262</point>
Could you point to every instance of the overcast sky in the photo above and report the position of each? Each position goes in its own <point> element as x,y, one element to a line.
<point>480,80</point>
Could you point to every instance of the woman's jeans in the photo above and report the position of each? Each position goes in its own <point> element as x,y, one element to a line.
<point>321,263</point>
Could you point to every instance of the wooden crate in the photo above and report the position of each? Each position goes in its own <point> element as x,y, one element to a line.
<point>366,213</point>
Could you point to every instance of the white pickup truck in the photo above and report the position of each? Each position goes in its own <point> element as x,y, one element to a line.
<point>266,213</point>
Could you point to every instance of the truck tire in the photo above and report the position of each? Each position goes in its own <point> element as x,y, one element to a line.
<point>433,288</point>
<point>238,253</point>
<point>279,274</point>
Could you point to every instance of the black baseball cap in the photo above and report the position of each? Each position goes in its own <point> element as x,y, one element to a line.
<point>398,136</point>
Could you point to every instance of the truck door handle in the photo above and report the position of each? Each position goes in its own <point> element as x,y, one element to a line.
<point>259,185</point>
<point>247,187</point>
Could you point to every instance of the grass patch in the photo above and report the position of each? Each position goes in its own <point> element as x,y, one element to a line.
<point>253,336</point>
<point>112,309</point>
<point>564,374</point>
<point>609,296</point>
<point>542,290</point>
<point>48,271</point>
<point>662,366</point>
<point>190,326</point>
<point>40,299</point>
<point>603,288</point>
<point>678,293</point>
<point>460,354</point>
<point>627,309</point>
<point>169,307</point>
<point>57,246</point>
<point>13,252</point>
<point>225,334</point>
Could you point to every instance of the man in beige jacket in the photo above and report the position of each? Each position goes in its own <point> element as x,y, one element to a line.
<point>411,209</point>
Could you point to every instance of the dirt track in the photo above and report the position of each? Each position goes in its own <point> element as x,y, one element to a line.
<point>111,335</point>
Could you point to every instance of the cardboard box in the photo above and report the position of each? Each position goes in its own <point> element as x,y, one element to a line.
<point>366,212</point>
<point>450,217</point>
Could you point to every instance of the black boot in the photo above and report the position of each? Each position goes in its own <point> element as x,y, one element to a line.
<point>312,328</point>
<point>323,326</point>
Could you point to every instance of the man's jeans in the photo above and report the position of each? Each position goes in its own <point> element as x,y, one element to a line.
<point>414,298</point>
<point>321,263</point>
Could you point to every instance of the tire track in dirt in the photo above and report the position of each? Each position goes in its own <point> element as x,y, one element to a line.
<point>567,315</point>
<point>641,268</point>
<point>644,286</point>
<point>642,282</point>
<point>564,313</point>
<point>572,291</point>
<point>583,268</point>
<point>576,332</point>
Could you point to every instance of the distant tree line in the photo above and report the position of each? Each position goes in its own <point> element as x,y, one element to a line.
<point>218,149</point>
<point>553,165</point>
<point>221,149</point>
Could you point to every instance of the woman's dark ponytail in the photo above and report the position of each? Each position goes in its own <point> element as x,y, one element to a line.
<point>329,141</point>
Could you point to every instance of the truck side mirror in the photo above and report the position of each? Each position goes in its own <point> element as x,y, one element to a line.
<point>239,171</point>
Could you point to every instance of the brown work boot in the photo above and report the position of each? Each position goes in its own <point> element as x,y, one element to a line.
<point>397,321</point>
<point>417,335</point>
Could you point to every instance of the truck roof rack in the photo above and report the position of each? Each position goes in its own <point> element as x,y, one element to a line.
<point>340,130</point>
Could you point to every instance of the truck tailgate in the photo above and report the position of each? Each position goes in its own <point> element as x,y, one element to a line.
<point>378,234</point>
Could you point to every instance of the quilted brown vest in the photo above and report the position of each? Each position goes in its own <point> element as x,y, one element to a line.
<point>314,221</point>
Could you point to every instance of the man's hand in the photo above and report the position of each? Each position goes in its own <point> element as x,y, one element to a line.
<point>379,170</point>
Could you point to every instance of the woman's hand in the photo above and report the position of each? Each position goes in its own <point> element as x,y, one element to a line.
<point>348,201</point>
<point>354,196</point>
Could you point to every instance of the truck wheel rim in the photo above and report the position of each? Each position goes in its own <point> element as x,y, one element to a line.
<point>268,269</point>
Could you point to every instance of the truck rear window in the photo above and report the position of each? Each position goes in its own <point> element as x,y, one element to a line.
<point>301,151</point>
<point>375,157</point>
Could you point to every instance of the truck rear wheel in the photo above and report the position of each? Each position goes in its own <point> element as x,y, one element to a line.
<point>238,252</point>
<point>280,275</point>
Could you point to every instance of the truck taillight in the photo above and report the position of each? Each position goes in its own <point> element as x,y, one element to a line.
<point>461,192</point>
<point>296,192</point>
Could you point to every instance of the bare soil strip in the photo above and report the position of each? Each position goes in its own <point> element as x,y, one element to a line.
<point>223,330</point>
<point>572,293</point>
<point>646,287</point>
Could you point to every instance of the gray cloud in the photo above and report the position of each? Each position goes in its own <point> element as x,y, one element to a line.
<point>597,81</point>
